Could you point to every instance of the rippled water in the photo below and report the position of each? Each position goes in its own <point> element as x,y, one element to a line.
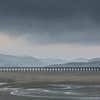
<point>59,92</point>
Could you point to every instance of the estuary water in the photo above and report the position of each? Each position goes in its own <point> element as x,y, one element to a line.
<point>57,92</point>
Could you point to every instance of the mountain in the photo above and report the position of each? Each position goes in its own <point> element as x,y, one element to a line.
<point>9,60</point>
<point>79,60</point>
<point>49,61</point>
<point>26,61</point>
<point>94,60</point>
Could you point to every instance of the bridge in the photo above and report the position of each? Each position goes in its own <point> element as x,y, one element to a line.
<point>49,69</point>
<point>51,74</point>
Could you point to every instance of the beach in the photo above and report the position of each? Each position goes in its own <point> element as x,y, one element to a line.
<point>50,86</point>
<point>51,77</point>
<point>52,92</point>
<point>7,96</point>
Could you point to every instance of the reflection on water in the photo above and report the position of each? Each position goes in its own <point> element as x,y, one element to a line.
<point>61,92</point>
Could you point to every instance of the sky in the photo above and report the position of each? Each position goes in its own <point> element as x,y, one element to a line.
<point>50,28</point>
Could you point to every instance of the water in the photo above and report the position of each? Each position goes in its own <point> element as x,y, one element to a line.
<point>58,92</point>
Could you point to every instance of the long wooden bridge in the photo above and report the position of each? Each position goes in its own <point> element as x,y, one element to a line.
<point>48,69</point>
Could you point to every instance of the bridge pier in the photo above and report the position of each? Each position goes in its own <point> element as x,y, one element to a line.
<point>49,69</point>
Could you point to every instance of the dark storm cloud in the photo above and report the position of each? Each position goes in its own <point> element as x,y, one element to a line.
<point>52,21</point>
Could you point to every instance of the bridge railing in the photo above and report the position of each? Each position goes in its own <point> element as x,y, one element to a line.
<point>48,69</point>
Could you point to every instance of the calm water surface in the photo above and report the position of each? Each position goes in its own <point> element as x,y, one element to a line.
<point>58,92</point>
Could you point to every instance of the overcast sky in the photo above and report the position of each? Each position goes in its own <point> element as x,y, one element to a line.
<point>50,28</point>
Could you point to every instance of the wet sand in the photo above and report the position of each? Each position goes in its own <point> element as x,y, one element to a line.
<point>7,96</point>
<point>42,79</point>
<point>50,77</point>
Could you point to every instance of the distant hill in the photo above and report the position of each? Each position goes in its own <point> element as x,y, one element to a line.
<point>89,63</point>
<point>94,60</point>
<point>9,60</point>
<point>53,61</point>
<point>80,60</point>
<point>26,61</point>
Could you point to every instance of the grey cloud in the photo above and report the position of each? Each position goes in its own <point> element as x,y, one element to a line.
<point>52,21</point>
<point>48,9</point>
